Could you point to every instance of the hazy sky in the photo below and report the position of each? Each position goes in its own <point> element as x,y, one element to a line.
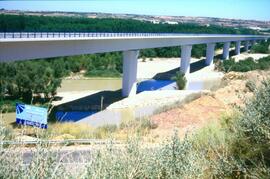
<point>240,9</point>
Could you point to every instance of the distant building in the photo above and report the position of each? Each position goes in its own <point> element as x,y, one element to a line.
<point>154,21</point>
<point>255,28</point>
<point>171,22</point>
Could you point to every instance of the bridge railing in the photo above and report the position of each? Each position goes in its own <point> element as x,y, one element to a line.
<point>6,35</point>
<point>16,35</point>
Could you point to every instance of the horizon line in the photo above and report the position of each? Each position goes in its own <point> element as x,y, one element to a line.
<point>134,14</point>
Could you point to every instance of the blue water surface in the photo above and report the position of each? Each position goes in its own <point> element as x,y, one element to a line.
<point>72,116</point>
<point>148,85</point>
<point>151,85</point>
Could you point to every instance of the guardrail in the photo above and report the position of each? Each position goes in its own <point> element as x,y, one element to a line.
<point>13,35</point>
<point>66,142</point>
<point>6,35</point>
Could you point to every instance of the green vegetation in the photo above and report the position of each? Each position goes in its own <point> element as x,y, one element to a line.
<point>23,23</point>
<point>263,47</point>
<point>36,81</point>
<point>248,64</point>
<point>237,147</point>
<point>252,142</point>
<point>180,80</point>
<point>11,23</point>
<point>23,80</point>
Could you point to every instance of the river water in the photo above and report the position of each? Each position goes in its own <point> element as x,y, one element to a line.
<point>115,116</point>
<point>90,84</point>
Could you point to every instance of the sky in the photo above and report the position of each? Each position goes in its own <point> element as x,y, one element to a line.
<point>237,9</point>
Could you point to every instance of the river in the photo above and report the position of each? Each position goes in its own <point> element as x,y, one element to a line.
<point>115,115</point>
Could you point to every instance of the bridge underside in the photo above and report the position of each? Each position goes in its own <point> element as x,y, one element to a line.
<point>34,48</point>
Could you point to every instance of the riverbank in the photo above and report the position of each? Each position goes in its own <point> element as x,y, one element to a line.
<point>79,95</point>
<point>146,103</point>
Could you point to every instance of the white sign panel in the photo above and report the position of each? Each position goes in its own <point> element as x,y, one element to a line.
<point>31,115</point>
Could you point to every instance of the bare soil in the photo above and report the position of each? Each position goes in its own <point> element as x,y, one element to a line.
<point>208,108</point>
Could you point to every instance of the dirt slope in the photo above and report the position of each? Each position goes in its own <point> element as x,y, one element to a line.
<point>234,90</point>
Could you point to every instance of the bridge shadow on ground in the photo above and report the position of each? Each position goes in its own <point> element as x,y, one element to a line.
<point>232,53</point>
<point>195,66</point>
<point>80,108</point>
<point>83,107</point>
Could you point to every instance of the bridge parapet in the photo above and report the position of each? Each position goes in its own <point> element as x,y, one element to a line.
<point>16,35</point>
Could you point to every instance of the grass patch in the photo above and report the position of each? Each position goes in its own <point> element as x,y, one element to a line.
<point>103,73</point>
<point>70,130</point>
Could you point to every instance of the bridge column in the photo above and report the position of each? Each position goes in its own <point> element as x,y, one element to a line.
<point>237,47</point>
<point>226,50</point>
<point>210,53</point>
<point>185,58</point>
<point>246,45</point>
<point>129,85</point>
<point>253,42</point>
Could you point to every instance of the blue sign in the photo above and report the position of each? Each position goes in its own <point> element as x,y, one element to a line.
<point>31,115</point>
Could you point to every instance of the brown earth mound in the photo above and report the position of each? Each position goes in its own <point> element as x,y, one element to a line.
<point>235,89</point>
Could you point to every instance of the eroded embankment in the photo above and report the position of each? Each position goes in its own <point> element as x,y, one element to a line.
<point>236,87</point>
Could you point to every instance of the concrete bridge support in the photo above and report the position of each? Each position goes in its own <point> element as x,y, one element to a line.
<point>130,62</point>
<point>185,59</point>
<point>253,42</point>
<point>246,45</point>
<point>226,50</point>
<point>237,47</point>
<point>210,53</point>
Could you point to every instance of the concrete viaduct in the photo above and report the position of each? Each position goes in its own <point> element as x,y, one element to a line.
<point>22,46</point>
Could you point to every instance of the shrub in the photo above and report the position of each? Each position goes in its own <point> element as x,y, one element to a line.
<point>255,121</point>
<point>251,86</point>
<point>43,164</point>
<point>248,64</point>
<point>180,80</point>
<point>143,59</point>
<point>262,47</point>
<point>250,144</point>
<point>174,159</point>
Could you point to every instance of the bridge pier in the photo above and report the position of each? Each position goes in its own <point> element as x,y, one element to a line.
<point>253,42</point>
<point>246,45</point>
<point>210,53</point>
<point>237,47</point>
<point>185,58</point>
<point>226,50</point>
<point>130,62</point>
